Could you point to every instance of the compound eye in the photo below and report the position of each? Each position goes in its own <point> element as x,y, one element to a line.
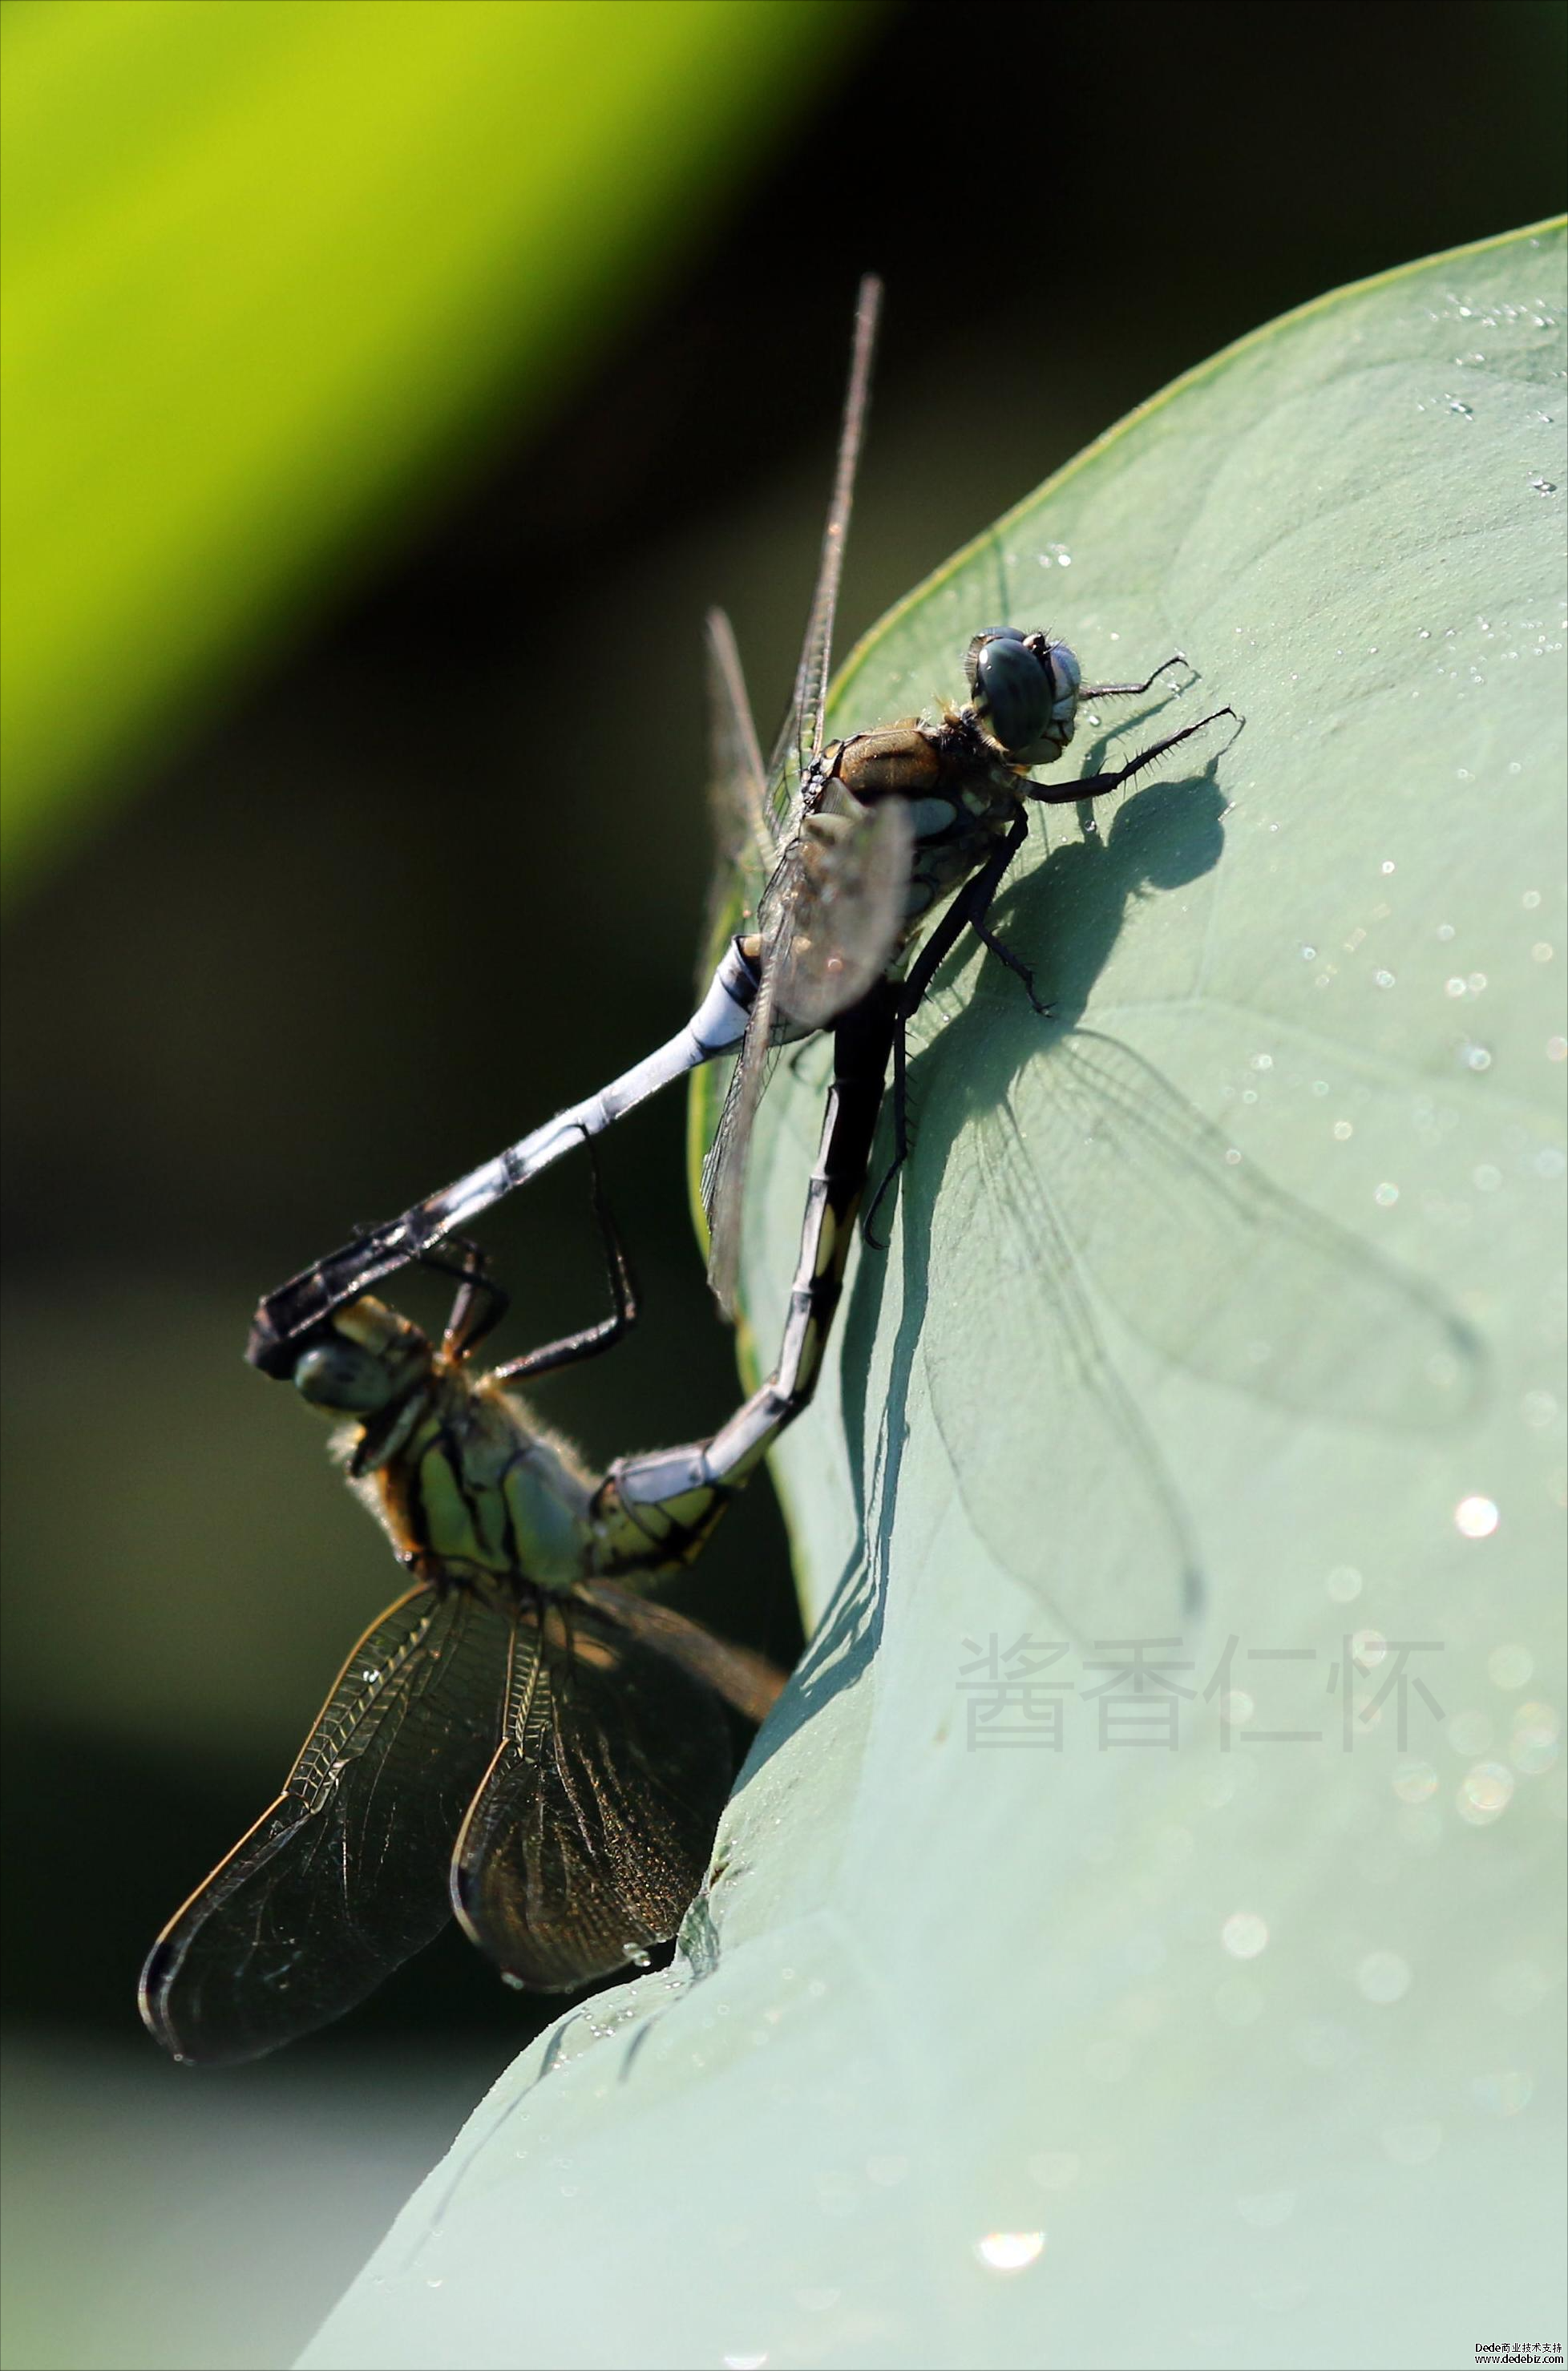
<point>1012,685</point>
<point>977,647</point>
<point>366,1356</point>
<point>1068,672</point>
<point>337,1374</point>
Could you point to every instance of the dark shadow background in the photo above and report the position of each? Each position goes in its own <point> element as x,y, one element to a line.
<point>442,868</point>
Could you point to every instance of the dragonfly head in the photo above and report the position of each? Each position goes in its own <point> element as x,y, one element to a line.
<point>363,1358</point>
<point>1024,691</point>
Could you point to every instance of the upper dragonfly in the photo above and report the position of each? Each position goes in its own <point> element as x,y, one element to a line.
<point>831,858</point>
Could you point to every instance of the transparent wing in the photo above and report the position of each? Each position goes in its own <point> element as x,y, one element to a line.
<point>800,736</point>
<point>345,1875</point>
<point>1092,1159</point>
<point>723,1171</point>
<point>1254,1291</point>
<point>791,890</point>
<point>1004,1302</point>
<point>591,1831</point>
<point>744,834</point>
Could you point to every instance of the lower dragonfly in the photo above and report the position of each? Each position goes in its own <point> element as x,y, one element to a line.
<point>525,1739</point>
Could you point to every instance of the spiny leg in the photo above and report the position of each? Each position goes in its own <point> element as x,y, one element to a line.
<point>1095,786</point>
<point>1131,690</point>
<point>1015,963</point>
<point>968,911</point>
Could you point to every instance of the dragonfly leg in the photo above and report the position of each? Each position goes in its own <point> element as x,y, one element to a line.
<point>901,1135</point>
<point>1015,964</point>
<point>481,1302</point>
<point>1095,786</point>
<point>591,1339</point>
<point>656,1511</point>
<point>1131,690</point>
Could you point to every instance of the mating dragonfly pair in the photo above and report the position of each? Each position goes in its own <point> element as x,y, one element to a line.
<point>528,1740</point>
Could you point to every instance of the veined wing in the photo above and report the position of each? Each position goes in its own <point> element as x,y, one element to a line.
<point>589,1836</point>
<point>1092,1161</point>
<point>745,835</point>
<point>846,907</point>
<point>745,1680</point>
<point>800,736</point>
<point>1256,1291</point>
<point>777,833</point>
<point>756,812</point>
<point>346,1874</point>
<point>1004,1299</point>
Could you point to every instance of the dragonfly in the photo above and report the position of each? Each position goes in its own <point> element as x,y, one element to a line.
<point>835,858</point>
<point>832,855</point>
<point>526,1739</point>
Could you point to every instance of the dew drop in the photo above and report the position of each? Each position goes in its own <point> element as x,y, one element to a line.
<point>1244,1934</point>
<point>1010,2251</point>
<point>1509,1667</point>
<point>1383,1977</point>
<point>1476,1518</point>
<point>1484,1793</point>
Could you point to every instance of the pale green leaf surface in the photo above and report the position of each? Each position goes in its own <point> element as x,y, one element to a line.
<point>271,270</point>
<point>1249,2045</point>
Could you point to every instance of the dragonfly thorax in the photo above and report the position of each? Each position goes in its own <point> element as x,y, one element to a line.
<point>1025,692</point>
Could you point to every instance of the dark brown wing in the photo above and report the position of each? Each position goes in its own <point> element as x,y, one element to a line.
<point>847,912</point>
<point>346,1874</point>
<point>832,920</point>
<point>589,1836</point>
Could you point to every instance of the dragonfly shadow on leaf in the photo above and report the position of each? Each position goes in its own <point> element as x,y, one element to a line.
<point>1160,839</point>
<point>1056,1174</point>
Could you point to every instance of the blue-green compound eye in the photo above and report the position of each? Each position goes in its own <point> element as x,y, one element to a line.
<point>337,1374</point>
<point>1010,676</point>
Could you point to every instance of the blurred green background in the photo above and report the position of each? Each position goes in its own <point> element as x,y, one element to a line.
<point>388,390</point>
